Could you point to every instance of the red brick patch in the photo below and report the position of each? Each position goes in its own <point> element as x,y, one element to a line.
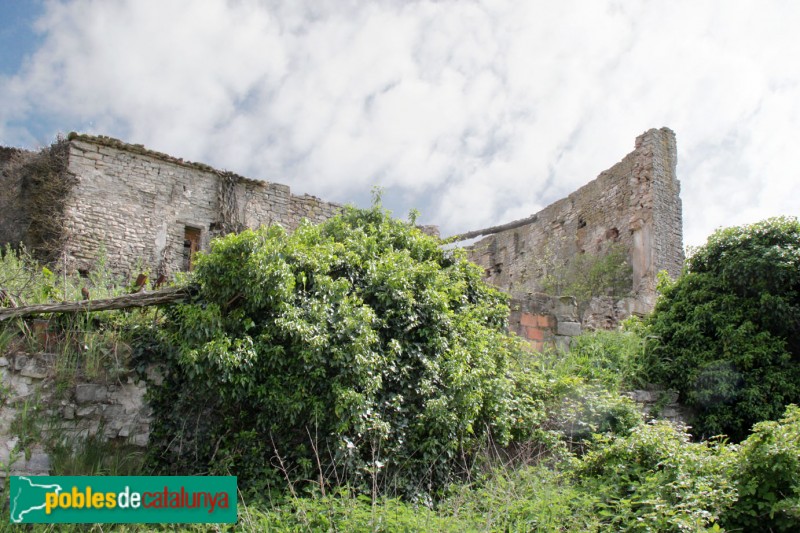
<point>534,334</point>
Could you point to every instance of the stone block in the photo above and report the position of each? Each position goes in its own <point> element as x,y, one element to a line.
<point>566,309</point>
<point>83,412</point>
<point>90,392</point>
<point>569,329</point>
<point>35,368</point>
<point>39,463</point>
<point>642,396</point>
<point>20,361</point>
<point>562,343</point>
<point>3,361</point>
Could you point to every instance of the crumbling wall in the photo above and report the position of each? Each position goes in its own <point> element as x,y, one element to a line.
<point>635,204</point>
<point>144,209</point>
<point>546,322</point>
<point>135,206</point>
<point>31,395</point>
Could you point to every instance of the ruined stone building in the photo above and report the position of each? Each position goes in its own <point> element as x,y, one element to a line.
<point>634,205</point>
<point>86,196</point>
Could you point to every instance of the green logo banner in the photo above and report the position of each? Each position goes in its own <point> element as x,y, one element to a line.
<point>122,499</point>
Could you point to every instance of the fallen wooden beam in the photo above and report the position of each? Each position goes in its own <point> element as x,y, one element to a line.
<point>494,229</point>
<point>126,301</point>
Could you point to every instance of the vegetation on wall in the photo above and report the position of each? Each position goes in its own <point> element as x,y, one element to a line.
<point>728,334</point>
<point>587,275</point>
<point>45,189</point>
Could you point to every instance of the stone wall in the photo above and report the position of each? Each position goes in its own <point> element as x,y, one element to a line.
<point>544,321</point>
<point>635,203</point>
<point>137,204</point>
<point>30,391</point>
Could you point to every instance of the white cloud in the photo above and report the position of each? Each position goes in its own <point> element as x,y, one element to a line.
<point>476,111</point>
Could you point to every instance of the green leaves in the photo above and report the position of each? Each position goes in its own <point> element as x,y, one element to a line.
<point>362,332</point>
<point>729,337</point>
<point>767,477</point>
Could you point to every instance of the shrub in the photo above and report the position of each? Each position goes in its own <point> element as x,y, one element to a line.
<point>654,479</point>
<point>728,333</point>
<point>616,359</point>
<point>552,404</point>
<point>767,477</point>
<point>356,351</point>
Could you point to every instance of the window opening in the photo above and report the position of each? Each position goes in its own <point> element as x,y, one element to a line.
<point>191,243</point>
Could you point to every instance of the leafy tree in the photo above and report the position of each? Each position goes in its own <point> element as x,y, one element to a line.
<point>729,328</point>
<point>356,351</point>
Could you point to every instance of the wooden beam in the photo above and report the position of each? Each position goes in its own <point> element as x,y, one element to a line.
<point>138,299</point>
<point>494,229</point>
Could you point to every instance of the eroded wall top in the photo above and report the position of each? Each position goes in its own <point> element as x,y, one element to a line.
<point>634,204</point>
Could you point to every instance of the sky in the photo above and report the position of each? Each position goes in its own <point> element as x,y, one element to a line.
<point>474,112</point>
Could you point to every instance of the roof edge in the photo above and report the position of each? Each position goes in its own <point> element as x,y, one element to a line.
<point>111,142</point>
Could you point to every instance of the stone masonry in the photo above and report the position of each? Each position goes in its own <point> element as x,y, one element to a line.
<point>30,391</point>
<point>139,207</point>
<point>635,203</point>
<point>139,204</point>
<point>148,210</point>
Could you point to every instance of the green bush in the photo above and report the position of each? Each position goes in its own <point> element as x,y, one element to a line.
<point>654,479</point>
<point>357,351</point>
<point>767,477</point>
<point>727,329</point>
<point>553,407</point>
<point>616,359</point>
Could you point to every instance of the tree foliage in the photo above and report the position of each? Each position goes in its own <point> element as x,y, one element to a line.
<point>357,350</point>
<point>729,328</point>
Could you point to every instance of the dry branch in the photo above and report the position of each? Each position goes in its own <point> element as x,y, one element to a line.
<point>139,299</point>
